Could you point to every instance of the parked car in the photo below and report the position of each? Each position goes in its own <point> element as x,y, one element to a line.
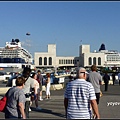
<point>4,76</point>
<point>58,80</point>
<point>11,81</point>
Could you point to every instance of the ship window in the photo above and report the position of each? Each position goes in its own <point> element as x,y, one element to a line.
<point>45,61</point>
<point>50,61</point>
<point>40,61</point>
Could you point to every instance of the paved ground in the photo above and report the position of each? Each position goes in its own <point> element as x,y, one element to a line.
<point>109,106</point>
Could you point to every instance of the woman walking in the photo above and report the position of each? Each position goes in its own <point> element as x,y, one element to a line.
<point>37,91</point>
<point>48,86</point>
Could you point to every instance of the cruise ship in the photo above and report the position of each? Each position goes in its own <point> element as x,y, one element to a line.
<point>13,55</point>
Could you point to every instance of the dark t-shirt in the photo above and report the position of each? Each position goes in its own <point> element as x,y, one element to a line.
<point>106,78</point>
<point>40,78</point>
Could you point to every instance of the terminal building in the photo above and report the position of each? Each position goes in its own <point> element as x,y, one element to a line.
<point>85,58</point>
<point>50,60</point>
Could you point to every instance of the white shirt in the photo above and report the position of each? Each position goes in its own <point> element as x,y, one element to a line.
<point>36,85</point>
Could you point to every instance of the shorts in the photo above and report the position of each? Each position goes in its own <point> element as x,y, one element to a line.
<point>40,87</point>
<point>97,97</point>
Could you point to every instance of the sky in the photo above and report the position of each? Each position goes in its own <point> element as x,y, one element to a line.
<point>68,24</point>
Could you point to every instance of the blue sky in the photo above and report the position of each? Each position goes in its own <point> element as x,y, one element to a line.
<point>62,23</point>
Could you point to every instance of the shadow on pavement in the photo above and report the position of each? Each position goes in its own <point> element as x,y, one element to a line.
<point>48,112</point>
<point>104,93</point>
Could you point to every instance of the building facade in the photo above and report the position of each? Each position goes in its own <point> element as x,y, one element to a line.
<point>50,60</point>
<point>102,58</point>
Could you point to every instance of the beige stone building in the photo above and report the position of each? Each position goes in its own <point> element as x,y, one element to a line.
<point>102,58</point>
<point>49,59</point>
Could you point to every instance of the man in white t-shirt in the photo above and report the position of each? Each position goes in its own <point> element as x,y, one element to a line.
<point>26,89</point>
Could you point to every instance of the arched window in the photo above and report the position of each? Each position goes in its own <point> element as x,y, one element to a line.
<point>90,61</point>
<point>45,61</point>
<point>59,61</point>
<point>62,61</point>
<point>40,60</point>
<point>94,60</point>
<point>50,61</point>
<point>66,62</point>
<point>99,61</point>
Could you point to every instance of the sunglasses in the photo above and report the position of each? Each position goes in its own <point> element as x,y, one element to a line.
<point>84,72</point>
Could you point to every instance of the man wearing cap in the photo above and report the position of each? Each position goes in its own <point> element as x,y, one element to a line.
<point>79,96</point>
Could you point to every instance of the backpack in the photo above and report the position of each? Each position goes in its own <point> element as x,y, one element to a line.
<point>3,102</point>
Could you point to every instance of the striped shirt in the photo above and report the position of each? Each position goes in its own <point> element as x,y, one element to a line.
<point>79,93</point>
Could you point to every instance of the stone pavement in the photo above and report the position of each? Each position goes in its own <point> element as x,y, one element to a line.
<point>109,106</point>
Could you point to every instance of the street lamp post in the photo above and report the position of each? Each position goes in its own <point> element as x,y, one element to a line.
<point>28,44</point>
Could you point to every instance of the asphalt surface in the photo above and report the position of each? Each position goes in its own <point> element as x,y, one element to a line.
<point>109,107</point>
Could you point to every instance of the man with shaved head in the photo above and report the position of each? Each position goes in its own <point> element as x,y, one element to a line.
<point>79,97</point>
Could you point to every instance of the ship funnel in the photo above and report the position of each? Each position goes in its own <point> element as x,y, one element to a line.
<point>17,40</point>
<point>13,40</point>
<point>102,47</point>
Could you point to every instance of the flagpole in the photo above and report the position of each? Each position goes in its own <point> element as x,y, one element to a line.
<point>80,42</point>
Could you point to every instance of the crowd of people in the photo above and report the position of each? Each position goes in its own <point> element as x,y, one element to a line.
<point>81,96</point>
<point>27,89</point>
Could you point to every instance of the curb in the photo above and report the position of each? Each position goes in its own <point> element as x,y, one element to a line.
<point>3,90</point>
